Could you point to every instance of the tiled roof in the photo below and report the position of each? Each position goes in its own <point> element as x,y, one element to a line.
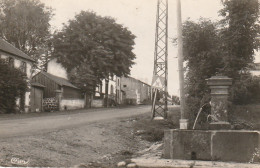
<point>9,48</point>
<point>58,80</point>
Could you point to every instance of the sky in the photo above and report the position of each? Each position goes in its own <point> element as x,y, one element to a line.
<point>139,16</point>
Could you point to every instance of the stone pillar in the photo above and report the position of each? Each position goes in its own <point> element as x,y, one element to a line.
<point>219,101</point>
<point>58,98</point>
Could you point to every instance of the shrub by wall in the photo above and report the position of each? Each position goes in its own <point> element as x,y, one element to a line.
<point>13,85</point>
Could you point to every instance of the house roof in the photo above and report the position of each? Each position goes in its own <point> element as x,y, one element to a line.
<point>37,84</point>
<point>9,48</point>
<point>58,80</point>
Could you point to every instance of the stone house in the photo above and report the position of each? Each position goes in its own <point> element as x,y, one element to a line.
<point>20,60</point>
<point>132,91</point>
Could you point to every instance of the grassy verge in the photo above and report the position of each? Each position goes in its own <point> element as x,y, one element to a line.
<point>153,130</point>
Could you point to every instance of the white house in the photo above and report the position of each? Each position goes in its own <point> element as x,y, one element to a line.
<point>18,59</point>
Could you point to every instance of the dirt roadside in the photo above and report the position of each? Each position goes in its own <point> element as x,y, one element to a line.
<point>100,144</point>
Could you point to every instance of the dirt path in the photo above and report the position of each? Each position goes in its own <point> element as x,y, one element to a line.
<point>102,142</point>
<point>41,124</point>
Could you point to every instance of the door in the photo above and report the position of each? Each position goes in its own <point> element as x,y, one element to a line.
<point>37,98</point>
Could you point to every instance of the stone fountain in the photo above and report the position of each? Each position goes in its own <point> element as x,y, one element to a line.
<point>219,142</point>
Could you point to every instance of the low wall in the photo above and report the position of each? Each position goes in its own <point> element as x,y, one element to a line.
<point>71,104</point>
<point>97,103</point>
<point>216,145</point>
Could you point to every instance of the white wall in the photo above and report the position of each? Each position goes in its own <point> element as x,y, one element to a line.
<point>111,83</point>
<point>72,104</point>
<point>56,69</point>
<point>17,63</point>
<point>3,56</point>
<point>255,73</point>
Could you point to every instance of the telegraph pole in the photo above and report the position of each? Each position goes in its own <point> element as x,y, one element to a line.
<point>183,119</point>
<point>160,73</point>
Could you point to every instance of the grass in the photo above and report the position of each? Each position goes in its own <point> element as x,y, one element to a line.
<point>153,130</point>
<point>245,116</point>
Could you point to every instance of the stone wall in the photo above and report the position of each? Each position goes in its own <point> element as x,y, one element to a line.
<point>71,104</point>
<point>97,103</point>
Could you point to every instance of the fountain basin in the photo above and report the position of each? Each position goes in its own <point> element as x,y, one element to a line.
<point>215,145</point>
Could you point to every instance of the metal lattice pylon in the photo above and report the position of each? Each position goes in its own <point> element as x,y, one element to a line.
<point>160,73</point>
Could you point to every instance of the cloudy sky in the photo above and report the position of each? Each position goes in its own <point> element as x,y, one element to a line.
<point>139,16</point>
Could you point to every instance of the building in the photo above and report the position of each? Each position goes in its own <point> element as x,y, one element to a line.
<point>132,91</point>
<point>60,91</point>
<point>98,99</point>
<point>18,59</point>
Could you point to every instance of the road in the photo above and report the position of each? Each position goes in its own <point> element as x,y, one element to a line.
<point>33,125</point>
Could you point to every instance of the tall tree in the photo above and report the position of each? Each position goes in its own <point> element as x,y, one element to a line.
<point>226,47</point>
<point>25,24</point>
<point>95,46</point>
<point>203,59</point>
<point>240,28</point>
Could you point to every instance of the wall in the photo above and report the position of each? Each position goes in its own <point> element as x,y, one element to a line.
<point>56,69</point>
<point>97,103</point>
<point>111,88</point>
<point>71,104</point>
<point>255,72</point>
<point>132,89</point>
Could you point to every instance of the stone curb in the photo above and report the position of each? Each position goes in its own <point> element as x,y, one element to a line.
<point>167,163</point>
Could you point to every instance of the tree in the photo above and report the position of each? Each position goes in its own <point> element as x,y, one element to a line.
<point>25,24</point>
<point>203,59</point>
<point>12,85</point>
<point>95,46</point>
<point>239,30</point>
<point>226,48</point>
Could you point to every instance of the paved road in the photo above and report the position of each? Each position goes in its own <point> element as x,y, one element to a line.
<point>33,125</point>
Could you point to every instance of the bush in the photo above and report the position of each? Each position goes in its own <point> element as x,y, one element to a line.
<point>246,90</point>
<point>13,85</point>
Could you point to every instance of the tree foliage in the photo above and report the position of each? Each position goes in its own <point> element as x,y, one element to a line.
<point>13,85</point>
<point>239,30</point>
<point>25,24</point>
<point>93,48</point>
<point>227,48</point>
<point>203,59</point>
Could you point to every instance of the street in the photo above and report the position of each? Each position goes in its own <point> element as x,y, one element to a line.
<point>102,136</point>
<point>30,126</point>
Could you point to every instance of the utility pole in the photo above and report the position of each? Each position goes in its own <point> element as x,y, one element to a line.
<point>183,120</point>
<point>160,72</point>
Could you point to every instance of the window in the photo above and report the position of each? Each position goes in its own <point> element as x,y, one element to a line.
<point>111,89</point>
<point>23,67</point>
<point>124,85</point>
<point>11,62</point>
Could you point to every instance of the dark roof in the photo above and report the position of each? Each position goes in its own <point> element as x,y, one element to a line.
<point>58,80</point>
<point>37,84</point>
<point>9,48</point>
